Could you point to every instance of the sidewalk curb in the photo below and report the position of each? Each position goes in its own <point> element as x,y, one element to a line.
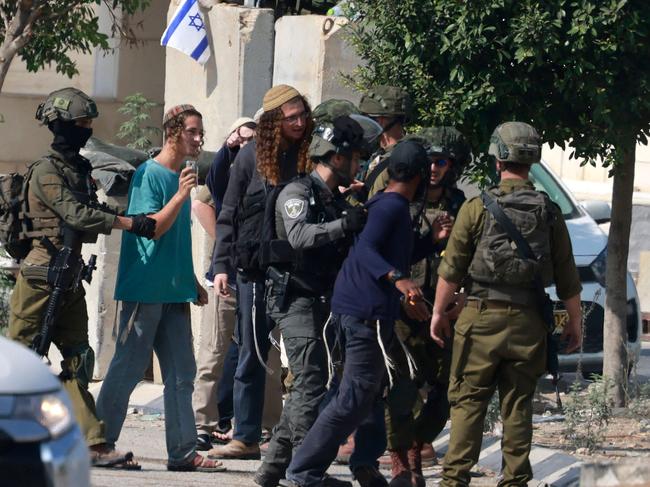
<point>550,467</point>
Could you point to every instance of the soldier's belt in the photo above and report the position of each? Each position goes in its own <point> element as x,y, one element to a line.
<point>483,304</point>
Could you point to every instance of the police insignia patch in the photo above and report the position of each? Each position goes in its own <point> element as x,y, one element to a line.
<point>293,207</point>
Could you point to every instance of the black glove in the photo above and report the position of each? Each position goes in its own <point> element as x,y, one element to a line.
<point>354,219</point>
<point>143,226</point>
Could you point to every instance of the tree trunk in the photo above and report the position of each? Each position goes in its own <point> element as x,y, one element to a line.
<point>618,243</point>
<point>15,36</point>
<point>5,62</point>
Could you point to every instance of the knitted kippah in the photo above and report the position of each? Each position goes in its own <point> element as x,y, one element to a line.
<point>177,110</point>
<point>277,96</point>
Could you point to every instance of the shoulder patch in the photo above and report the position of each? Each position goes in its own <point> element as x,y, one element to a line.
<point>293,207</point>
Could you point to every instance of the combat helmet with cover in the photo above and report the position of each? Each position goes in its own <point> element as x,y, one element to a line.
<point>340,128</point>
<point>516,142</point>
<point>386,101</point>
<point>67,104</point>
<point>447,142</point>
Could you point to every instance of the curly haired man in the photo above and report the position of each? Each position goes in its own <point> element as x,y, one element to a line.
<point>156,283</point>
<point>278,154</point>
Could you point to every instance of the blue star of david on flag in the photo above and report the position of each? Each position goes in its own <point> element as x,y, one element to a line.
<point>186,32</point>
<point>196,21</point>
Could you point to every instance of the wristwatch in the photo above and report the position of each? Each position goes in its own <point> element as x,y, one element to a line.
<point>396,276</point>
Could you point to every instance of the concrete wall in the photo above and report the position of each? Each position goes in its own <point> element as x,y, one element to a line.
<point>597,183</point>
<point>312,55</point>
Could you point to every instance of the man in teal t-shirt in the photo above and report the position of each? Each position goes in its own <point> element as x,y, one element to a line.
<point>156,283</point>
<point>156,271</point>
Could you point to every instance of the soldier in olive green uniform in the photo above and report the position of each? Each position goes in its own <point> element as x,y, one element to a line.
<point>390,107</point>
<point>61,193</point>
<point>410,422</point>
<point>500,337</point>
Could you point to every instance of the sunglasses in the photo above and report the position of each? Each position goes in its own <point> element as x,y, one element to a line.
<point>441,162</point>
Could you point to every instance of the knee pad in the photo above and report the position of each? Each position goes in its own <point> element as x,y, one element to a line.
<point>79,365</point>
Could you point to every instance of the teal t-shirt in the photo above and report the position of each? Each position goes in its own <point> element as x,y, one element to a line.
<point>156,271</point>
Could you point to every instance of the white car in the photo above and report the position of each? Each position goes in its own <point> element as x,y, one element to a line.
<point>590,251</point>
<point>40,442</point>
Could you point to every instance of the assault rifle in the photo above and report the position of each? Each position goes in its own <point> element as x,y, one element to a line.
<point>65,273</point>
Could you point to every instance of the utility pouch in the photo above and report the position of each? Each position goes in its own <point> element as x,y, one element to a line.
<point>277,287</point>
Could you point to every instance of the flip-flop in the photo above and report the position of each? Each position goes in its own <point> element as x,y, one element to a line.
<point>221,437</point>
<point>198,464</point>
<point>114,459</point>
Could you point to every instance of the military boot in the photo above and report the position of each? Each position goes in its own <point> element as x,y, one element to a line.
<point>415,458</point>
<point>402,476</point>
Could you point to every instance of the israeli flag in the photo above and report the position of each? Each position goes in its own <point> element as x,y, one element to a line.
<point>186,32</point>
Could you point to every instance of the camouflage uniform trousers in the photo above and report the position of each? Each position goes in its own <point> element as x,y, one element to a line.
<point>500,348</point>
<point>70,335</point>
<point>410,418</point>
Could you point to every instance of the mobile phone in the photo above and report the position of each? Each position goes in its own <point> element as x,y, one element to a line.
<point>195,169</point>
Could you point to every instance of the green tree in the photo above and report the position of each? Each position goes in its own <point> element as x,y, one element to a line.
<point>135,130</point>
<point>575,69</point>
<point>44,32</point>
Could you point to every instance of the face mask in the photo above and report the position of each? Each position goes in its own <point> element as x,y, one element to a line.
<point>68,135</point>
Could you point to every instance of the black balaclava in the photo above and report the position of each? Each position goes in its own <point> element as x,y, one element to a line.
<point>69,138</point>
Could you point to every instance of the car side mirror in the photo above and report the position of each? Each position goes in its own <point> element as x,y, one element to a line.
<point>598,210</point>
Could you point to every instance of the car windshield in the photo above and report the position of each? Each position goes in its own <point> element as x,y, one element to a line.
<point>545,181</point>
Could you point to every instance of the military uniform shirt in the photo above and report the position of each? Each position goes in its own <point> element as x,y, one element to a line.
<point>48,191</point>
<point>291,210</point>
<point>468,229</point>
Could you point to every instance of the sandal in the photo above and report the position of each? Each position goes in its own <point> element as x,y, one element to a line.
<point>221,437</point>
<point>114,459</point>
<point>198,464</point>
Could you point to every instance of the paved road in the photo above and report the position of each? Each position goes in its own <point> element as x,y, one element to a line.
<point>144,435</point>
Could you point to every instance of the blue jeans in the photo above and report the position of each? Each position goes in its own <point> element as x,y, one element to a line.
<point>164,329</point>
<point>250,376</point>
<point>356,405</point>
<point>225,387</point>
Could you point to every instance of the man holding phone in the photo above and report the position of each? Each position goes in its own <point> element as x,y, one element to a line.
<point>156,283</point>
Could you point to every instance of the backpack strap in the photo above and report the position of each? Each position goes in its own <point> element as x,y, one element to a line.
<point>375,173</point>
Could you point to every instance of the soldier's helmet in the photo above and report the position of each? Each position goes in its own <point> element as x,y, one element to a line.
<point>447,142</point>
<point>408,159</point>
<point>67,104</point>
<point>339,127</point>
<point>386,101</point>
<point>516,142</point>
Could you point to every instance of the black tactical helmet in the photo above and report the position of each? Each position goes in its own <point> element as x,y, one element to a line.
<point>386,101</point>
<point>67,104</point>
<point>516,142</point>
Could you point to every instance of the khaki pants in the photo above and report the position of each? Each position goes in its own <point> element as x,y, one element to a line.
<point>70,335</point>
<point>502,349</point>
<point>215,340</point>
